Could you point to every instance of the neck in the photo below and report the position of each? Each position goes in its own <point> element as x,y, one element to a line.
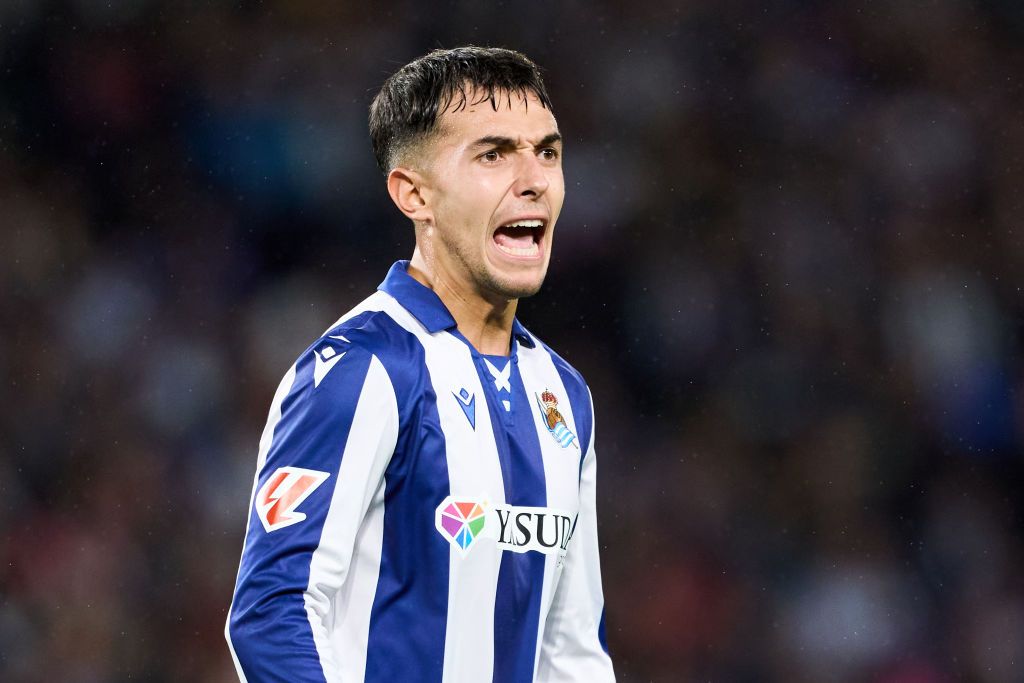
<point>486,323</point>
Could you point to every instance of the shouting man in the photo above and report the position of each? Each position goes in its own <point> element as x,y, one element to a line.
<point>424,501</point>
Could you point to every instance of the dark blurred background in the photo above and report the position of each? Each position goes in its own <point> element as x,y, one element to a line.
<point>788,264</point>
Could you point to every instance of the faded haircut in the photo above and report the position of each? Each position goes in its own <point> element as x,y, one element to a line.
<point>405,111</point>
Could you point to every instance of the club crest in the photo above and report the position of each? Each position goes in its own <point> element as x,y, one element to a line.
<point>547,403</point>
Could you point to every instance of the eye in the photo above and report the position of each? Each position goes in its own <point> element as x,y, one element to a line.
<point>491,156</point>
<point>549,154</point>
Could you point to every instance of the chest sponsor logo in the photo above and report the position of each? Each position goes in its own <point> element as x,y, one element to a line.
<point>466,522</point>
<point>283,492</point>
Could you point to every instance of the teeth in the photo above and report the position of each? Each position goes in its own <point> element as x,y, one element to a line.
<point>525,224</point>
<point>531,250</point>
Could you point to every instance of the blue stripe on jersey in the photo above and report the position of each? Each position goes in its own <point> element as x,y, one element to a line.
<point>521,575</point>
<point>579,399</point>
<point>410,607</point>
<point>268,623</point>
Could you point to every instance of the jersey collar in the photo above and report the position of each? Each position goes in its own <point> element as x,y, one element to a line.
<point>427,307</point>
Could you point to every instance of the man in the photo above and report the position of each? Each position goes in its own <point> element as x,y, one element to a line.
<point>423,508</point>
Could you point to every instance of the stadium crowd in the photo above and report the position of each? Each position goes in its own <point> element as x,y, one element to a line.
<point>789,267</point>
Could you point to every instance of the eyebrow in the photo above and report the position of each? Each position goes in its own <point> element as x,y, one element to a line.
<point>503,142</point>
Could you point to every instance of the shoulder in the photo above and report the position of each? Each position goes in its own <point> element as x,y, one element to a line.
<point>372,330</point>
<point>576,388</point>
<point>571,377</point>
<point>366,339</point>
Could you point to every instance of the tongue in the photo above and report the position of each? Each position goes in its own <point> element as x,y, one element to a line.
<point>516,237</point>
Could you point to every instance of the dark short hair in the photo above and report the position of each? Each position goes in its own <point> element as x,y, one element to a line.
<point>405,110</point>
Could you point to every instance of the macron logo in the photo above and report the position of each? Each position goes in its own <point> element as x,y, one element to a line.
<point>467,402</point>
<point>326,358</point>
<point>284,491</point>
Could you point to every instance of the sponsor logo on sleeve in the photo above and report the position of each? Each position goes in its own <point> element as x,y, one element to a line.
<point>465,522</point>
<point>283,492</point>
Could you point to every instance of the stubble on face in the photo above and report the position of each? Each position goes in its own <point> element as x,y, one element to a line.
<point>487,282</point>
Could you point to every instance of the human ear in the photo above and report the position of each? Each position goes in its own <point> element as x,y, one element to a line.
<point>406,188</point>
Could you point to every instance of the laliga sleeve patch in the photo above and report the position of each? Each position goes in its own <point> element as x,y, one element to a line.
<point>283,492</point>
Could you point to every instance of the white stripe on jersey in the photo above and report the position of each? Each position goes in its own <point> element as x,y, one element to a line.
<point>570,651</point>
<point>267,438</point>
<point>560,464</point>
<point>354,532</point>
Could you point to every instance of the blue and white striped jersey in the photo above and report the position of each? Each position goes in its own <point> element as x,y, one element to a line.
<point>422,512</point>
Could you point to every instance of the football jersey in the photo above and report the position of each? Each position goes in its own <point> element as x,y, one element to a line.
<point>422,512</point>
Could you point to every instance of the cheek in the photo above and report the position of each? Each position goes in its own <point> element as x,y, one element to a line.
<point>478,198</point>
<point>464,213</point>
<point>556,192</point>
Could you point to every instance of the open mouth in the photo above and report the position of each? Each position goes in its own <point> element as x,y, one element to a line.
<point>521,239</point>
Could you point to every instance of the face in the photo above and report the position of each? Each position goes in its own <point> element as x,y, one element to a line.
<point>494,188</point>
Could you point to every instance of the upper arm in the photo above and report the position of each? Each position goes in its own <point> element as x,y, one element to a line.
<point>328,441</point>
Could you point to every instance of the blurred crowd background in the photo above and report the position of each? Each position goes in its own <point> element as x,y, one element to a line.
<point>789,265</point>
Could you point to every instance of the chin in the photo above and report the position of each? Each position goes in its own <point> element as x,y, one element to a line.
<point>512,287</point>
<point>525,291</point>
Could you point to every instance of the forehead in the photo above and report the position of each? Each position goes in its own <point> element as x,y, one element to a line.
<point>515,116</point>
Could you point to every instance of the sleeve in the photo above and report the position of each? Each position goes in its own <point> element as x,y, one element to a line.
<point>573,648</point>
<point>331,433</point>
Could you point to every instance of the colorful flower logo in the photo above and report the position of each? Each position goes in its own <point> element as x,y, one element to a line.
<point>460,521</point>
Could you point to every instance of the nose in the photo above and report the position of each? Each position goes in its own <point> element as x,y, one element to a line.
<point>532,178</point>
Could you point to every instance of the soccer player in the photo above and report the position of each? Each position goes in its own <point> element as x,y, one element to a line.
<point>423,507</point>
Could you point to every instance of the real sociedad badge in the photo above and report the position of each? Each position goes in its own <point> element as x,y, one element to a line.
<point>553,420</point>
